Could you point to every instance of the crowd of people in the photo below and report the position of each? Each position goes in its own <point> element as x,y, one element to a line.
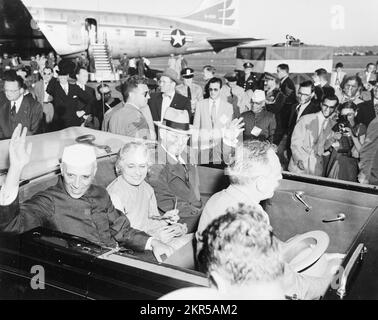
<point>255,125</point>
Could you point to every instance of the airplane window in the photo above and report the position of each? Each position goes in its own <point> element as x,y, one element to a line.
<point>251,53</point>
<point>157,34</point>
<point>140,33</point>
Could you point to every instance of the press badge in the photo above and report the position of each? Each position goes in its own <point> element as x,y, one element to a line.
<point>256,131</point>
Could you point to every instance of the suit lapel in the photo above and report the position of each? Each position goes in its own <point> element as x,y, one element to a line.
<point>7,116</point>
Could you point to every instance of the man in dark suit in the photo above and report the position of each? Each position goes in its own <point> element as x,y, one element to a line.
<point>17,108</point>
<point>322,86</point>
<point>168,97</point>
<point>88,107</point>
<point>287,87</point>
<point>306,104</point>
<point>174,176</point>
<point>66,96</point>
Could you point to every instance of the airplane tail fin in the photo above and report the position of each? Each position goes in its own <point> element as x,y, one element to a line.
<point>220,12</point>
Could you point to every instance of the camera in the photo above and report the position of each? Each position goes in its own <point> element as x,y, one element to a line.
<point>341,125</point>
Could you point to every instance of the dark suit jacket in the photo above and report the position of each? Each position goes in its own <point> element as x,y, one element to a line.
<point>88,107</point>
<point>365,112</point>
<point>173,185</point>
<point>66,105</point>
<point>178,102</point>
<point>320,91</point>
<point>277,100</point>
<point>30,115</point>
<point>251,83</point>
<point>287,87</point>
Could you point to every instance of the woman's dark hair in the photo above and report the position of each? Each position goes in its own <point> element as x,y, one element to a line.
<point>348,105</point>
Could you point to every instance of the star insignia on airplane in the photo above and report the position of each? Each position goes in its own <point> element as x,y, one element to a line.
<point>177,38</point>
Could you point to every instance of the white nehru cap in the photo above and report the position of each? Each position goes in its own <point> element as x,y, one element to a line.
<point>79,155</point>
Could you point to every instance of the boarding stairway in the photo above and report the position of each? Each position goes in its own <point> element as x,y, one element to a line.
<point>103,63</point>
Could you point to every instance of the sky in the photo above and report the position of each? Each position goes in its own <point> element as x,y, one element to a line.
<point>323,22</point>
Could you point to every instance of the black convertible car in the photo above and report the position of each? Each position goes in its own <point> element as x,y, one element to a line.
<point>46,264</point>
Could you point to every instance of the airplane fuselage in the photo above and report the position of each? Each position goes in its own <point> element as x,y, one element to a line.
<point>69,32</point>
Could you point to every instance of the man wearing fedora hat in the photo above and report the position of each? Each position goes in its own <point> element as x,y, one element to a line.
<point>174,175</point>
<point>248,80</point>
<point>66,97</point>
<point>168,97</point>
<point>190,89</point>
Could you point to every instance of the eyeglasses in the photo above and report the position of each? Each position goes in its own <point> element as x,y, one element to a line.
<point>213,89</point>
<point>327,106</point>
<point>304,94</point>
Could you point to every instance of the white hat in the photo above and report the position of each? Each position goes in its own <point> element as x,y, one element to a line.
<point>79,155</point>
<point>258,96</point>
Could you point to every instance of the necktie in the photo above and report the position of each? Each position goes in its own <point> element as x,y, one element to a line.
<point>189,93</point>
<point>13,110</point>
<point>232,95</point>
<point>213,113</point>
<point>185,167</point>
<point>297,112</point>
<point>337,79</point>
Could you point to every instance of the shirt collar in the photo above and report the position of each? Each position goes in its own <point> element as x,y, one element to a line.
<point>176,159</point>
<point>303,106</point>
<point>134,105</point>
<point>18,102</point>
<point>169,95</point>
<point>284,78</point>
<point>321,117</point>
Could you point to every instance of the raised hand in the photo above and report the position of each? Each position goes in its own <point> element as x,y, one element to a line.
<point>19,152</point>
<point>232,131</point>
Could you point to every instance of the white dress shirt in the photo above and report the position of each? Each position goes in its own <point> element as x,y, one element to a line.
<point>167,99</point>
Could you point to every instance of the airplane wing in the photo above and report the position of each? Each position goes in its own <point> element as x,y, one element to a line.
<point>220,44</point>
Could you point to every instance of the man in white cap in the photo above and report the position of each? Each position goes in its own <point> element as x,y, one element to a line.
<point>74,205</point>
<point>259,123</point>
<point>174,175</point>
<point>168,97</point>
